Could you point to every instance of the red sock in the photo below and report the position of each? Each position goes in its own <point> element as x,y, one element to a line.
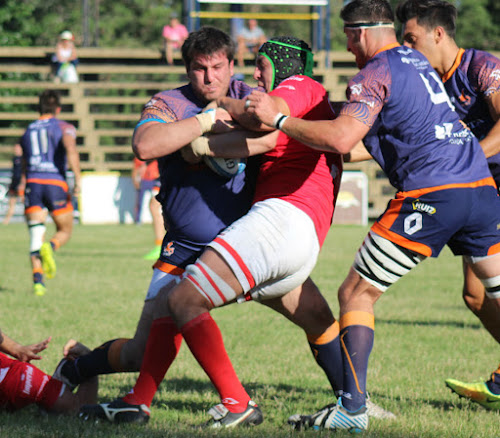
<point>164,342</point>
<point>204,339</point>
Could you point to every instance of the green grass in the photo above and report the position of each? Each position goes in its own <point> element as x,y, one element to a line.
<point>424,334</point>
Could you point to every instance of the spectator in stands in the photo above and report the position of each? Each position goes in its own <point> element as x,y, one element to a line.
<point>65,59</point>
<point>174,34</point>
<point>146,178</point>
<point>249,40</point>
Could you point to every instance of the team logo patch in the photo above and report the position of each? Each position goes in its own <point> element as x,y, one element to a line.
<point>169,249</point>
<point>495,74</point>
<point>423,207</point>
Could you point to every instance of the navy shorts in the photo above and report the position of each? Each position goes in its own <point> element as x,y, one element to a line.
<point>467,219</point>
<point>50,194</point>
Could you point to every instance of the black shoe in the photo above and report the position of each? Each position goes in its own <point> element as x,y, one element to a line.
<point>118,411</point>
<point>222,417</point>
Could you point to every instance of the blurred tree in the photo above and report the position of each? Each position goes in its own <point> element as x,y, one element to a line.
<point>139,23</point>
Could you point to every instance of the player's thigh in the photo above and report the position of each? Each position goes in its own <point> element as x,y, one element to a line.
<point>271,250</point>
<point>63,220</point>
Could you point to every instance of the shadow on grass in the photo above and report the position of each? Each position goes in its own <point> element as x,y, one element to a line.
<point>456,324</point>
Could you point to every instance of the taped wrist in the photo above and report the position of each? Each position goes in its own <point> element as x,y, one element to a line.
<point>206,120</point>
<point>200,146</point>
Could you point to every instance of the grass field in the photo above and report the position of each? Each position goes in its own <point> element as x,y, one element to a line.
<point>423,335</point>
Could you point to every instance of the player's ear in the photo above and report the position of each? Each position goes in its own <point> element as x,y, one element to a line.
<point>439,34</point>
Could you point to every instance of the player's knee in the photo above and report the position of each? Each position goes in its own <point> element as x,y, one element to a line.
<point>185,300</point>
<point>473,301</point>
<point>131,355</point>
<point>37,232</point>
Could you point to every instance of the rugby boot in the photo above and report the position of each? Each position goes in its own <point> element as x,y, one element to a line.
<point>222,417</point>
<point>154,254</point>
<point>39,289</point>
<point>333,417</point>
<point>48,263</point>
<point>118,411</point>
<point>477,392</point>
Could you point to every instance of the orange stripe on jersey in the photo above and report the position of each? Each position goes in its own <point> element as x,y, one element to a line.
<point>37,271</point>
<point>386,47</point>
<point>33,209</point>
<point>329,335</point>
<point>401,241</point>
<point>168,268</point>
<point>495,249</point>
<point>238,260</point>
<point>419,192</point>
<point>54,182</point>
<point>358,317</point>
<point>454,67</point>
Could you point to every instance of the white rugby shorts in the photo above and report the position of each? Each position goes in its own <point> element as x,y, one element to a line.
<point>273,248</point>
<point>158,280</point>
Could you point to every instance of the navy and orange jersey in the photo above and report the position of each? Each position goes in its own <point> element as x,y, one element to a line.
<point>416,136</point>
<point>473,78</point>
<point>306,178</point>
<point>43,149</point>
<point>197,203</point>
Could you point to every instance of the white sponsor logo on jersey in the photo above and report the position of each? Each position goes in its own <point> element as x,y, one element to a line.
<point>495,74</point>
<point>357,89</point>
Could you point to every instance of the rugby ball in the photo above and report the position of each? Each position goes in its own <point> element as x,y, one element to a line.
<point>226,167</point>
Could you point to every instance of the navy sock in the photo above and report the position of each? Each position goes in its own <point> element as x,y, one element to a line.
<point>494,383</point>
<point>356,338</point>
<point>92,364</point>
<point>329,358</point>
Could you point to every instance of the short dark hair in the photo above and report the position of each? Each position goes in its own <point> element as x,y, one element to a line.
<point>367,11</point>
<point>429,14</point>
<point>49,102</point>
<point>207,40</point>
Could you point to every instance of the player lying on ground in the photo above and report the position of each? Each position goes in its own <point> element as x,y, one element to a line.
<point>22,384</point>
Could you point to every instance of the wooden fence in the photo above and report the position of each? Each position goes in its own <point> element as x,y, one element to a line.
<point>114,85</point>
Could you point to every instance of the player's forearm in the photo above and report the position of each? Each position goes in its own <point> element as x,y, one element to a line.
<point>236,108</point>
<point>322,135</point>
<point>241,144</point>
<point>155,140</point>
<point>9,346</point>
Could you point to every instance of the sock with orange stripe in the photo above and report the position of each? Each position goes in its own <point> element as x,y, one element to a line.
<point>326,352</point>
<point>37,276</point>
<point>164,342</point>
<point>205,342</point>
<point>494,383</point>
<point>356,339</point>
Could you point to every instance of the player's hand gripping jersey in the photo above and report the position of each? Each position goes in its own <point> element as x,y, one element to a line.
<point>416,139</point>
<point>197,203</point>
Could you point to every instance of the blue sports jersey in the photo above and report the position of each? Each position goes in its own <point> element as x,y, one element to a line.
<point>197,203</point>
<point>416,136</point>
<point>43,149</point>
<point>474,77</point>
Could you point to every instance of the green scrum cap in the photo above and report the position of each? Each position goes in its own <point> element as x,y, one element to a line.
<point>289,56</point>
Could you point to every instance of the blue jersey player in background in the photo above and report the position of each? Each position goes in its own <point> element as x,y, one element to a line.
<point>446,195</point>
<point>48,145</point>
<point>472,80</point>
